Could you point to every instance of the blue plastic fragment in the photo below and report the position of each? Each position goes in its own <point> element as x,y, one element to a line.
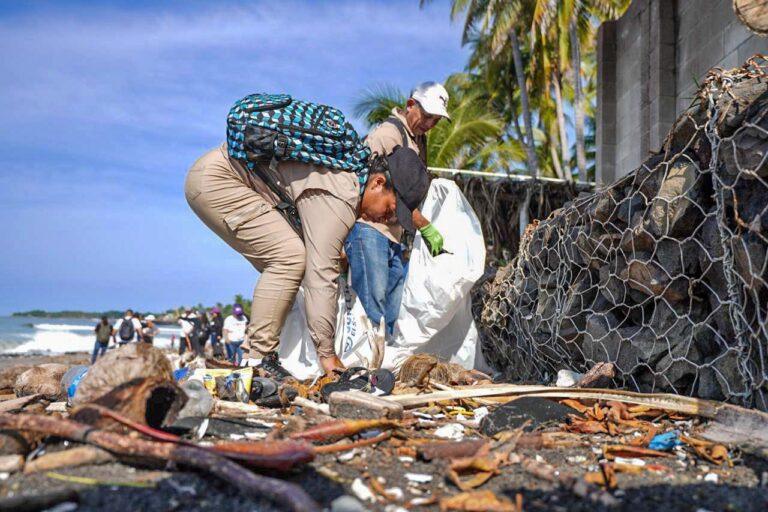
<point>181,374</point>
<point>665,442</point>
<point>72,389</point>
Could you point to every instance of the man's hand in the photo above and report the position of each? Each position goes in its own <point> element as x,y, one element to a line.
<point>433,239</point>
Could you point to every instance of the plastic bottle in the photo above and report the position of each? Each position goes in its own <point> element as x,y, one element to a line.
<point>70,380</point>
<point>239,388</point>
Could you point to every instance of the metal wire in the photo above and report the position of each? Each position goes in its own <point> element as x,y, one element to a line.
<point>663,273</point>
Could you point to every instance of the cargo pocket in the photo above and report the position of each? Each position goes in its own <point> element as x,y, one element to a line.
<point>238,218</point>
<point>192,184</point>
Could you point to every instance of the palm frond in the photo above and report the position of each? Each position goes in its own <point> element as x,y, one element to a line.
<point>376,104</point>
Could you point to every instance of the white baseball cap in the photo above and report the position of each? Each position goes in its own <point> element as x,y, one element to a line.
<point>433,98</point>
<point>150,317</point>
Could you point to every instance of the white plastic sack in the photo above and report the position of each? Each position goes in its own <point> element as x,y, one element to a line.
<point>354,332</point>
<point>435,314</point>
<point>297,350</point>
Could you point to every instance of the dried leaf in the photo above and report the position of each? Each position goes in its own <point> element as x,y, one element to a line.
<point>715,453</point>
<point>482,467</point>
<point>479,501</point>
<point>586,427</point>
<point>378,488</point>
<point>575,404</point>
<point>540,470</point>
<point>560,440</point>
<point>598,413</point>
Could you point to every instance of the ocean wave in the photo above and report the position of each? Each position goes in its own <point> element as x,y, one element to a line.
<point>58,342</point>
<point>63,327</point>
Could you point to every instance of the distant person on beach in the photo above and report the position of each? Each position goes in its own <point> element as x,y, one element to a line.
<point>103,332</point>
<point>234,334</point>
<point>204,330</point>
<point>187,334</point>
<point>126,329</point>
<point>216,325</point>
<point>150,330</point>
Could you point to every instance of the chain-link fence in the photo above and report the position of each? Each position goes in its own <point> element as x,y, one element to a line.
<point>664,272</point>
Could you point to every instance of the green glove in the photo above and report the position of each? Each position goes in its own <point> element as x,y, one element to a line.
<point>433,238</point>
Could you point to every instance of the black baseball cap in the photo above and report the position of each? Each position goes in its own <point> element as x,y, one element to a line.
<point>410,181</point>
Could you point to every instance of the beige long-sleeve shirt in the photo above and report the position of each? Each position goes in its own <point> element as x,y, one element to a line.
<point>382,141</point>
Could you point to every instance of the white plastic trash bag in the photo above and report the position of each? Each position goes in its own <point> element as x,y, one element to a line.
<point>297,350</point>
<point>435,314</point>
<point>354,336</point>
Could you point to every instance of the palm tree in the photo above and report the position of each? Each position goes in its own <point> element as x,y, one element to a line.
<point>502,21</point>
<point>460,144</point>
<point>574,18</point>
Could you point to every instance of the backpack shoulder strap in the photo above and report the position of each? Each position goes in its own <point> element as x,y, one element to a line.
<point>285,205</point>
<point>401,128</point>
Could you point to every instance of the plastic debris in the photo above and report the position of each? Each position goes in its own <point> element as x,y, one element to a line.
<point>629,461</point>
<point>450,431</point>
<point>347,456</point>
<point>665,442</point>
<point>418,478</point>
<point>362,491</point>
<point>480,413</point>
<point>347,503</point>
<point>568,378</point>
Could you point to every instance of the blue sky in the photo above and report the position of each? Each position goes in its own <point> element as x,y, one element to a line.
<point>106,105</point>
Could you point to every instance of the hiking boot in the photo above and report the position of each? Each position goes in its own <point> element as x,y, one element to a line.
<point>271,364</point>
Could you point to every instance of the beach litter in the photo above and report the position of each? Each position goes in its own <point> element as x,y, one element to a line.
<point>422,446</point>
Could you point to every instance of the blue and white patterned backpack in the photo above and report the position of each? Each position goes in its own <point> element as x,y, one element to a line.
<point>275,127</point>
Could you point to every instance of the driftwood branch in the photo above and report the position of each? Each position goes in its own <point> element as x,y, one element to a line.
<point>286,494</point>
<point>18,404</point>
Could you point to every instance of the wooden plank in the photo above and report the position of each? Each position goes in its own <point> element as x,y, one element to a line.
<point>669,402</point>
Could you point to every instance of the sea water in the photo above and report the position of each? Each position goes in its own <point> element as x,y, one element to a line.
<point>21,334</point>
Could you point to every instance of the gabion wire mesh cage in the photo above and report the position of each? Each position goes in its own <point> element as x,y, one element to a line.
<point>664,272</point>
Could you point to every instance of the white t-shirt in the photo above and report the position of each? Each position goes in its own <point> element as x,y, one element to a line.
<point>136,328</point>
<point>186,327</point>
<point>235,327</point>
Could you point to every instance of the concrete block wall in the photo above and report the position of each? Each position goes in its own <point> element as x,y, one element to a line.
<point>649,64</point>
<point>709,35</point>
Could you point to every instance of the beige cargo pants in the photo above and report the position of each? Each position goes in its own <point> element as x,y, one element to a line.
<point>238,207</point>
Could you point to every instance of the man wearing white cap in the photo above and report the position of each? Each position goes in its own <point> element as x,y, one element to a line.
<point>373,249</point>
<point>149,331</point>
